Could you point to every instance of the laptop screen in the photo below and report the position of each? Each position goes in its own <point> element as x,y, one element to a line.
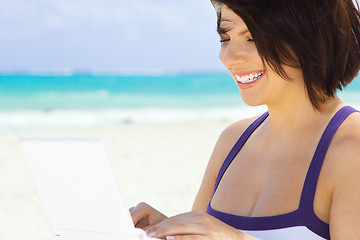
<point>76,185</point>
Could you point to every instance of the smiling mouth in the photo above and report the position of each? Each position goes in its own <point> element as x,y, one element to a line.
<point>249,78</point>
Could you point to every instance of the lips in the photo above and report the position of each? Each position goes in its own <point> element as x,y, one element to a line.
<point>248,78</point>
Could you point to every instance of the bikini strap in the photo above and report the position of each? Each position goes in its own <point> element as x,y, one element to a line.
<point>308,192</point>
<point>238,145</point>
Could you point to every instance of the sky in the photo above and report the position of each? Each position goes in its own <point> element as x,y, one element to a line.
<point>110,36</point>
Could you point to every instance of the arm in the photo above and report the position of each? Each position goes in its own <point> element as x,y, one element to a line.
<point>345,206</point>
<point>223,146</point>
<point>197,224</point>
<point>145,216</point>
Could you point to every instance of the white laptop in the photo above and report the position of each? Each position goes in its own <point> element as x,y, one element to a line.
<point>78,189</point>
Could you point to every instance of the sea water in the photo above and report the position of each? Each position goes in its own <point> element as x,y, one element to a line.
<point>87,100</point>
<point>19,92</point>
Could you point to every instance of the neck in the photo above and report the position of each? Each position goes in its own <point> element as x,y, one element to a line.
<point>295,117</point>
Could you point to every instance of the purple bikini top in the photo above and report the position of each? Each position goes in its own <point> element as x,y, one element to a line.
<point>304,215</point>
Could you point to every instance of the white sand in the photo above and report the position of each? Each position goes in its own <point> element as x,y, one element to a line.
<point>161,164</point>
<point>159,157</point>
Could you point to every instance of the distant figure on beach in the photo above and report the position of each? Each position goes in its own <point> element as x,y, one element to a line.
<point>293,172</point>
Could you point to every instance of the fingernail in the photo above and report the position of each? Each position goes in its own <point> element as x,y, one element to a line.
<point>170,237</point>
<point>152,234</point>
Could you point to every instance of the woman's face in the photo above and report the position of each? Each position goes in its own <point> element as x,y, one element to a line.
<point>258,84</point>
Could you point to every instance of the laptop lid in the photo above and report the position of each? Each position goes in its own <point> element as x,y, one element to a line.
<point>78,189</point>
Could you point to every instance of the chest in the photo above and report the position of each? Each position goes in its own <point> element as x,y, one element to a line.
<point>268,181</point>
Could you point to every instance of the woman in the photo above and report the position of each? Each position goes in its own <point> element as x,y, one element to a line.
<point>294,171</point>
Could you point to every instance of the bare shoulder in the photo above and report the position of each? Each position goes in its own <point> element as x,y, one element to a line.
<point>231,134</point>
<point>344,159</point>
<point>344,151</point>
<point>226,141</point>
<point>223,146</point>
<point>234,130</point>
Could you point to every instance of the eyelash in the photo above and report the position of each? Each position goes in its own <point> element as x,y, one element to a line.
<point>222,40</point>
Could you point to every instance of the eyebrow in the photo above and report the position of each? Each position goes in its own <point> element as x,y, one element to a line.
<point>222,30</point>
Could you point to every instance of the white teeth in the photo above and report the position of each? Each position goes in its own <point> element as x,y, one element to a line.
<point>249,78</point>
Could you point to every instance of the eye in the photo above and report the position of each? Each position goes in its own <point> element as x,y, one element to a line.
<point>223,40</point>
<point>249,38</point>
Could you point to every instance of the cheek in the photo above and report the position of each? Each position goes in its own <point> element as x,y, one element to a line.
<point>254,54</point>
<point>222,53</point>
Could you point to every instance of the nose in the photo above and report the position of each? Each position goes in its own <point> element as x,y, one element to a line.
<point>232,53</point>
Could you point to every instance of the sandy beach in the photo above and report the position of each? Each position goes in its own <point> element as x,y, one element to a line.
<point>159,163</point>
<point>159,157</point>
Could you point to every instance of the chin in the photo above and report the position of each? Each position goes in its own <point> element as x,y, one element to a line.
<point>252,100</point>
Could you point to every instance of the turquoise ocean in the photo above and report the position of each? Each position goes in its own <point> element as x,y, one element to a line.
<point>24,92</point>
<point>54,100</point>
<point>29,92</point>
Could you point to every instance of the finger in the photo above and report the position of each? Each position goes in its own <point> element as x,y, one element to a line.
<point>185,237</point>
<point>139,213</point>
<point>192,214</point>
<point>187,224</point>
<point>139,207</point>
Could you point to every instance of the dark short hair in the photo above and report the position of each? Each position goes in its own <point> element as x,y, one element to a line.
<point>321,37</point>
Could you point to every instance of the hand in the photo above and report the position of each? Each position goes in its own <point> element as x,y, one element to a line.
<point>145,216</point>
<point>194,225</point>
